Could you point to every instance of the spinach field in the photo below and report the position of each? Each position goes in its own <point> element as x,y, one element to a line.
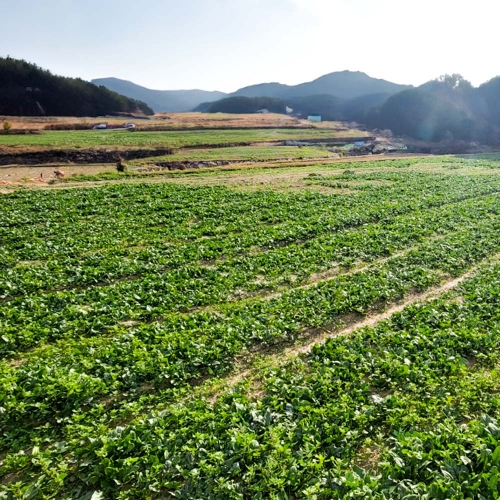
<point>192,340</point>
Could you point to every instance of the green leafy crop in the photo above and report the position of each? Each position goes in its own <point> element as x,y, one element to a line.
<point>120,306</point>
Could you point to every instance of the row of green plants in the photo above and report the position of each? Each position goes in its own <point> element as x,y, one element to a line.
<point>488,161</point>
<point>164,284</point>
<point>87,248</point>
<point>170,350</point>
<point>176,139</point>
<point>405,409</point>
<point>119,301</point>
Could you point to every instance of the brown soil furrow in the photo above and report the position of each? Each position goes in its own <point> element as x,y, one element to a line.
<point>261,295</point>
<point>374,319</point>
<point>313,280</point>
<point>350,324</point>
<point>336,271</point>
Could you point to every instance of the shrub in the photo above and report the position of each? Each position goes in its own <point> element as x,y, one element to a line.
<point>121,166</point>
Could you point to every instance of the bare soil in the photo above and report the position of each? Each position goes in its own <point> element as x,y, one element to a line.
<point>233,174</point>
<point>14,176</point>
<point>172,121</point>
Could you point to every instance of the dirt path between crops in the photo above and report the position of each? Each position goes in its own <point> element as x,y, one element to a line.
<point>324,277</point>
<point>351,322</point>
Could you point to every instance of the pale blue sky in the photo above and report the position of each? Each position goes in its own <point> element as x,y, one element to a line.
<point>228,44</point>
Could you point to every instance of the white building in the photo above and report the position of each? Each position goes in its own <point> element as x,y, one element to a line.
<point>314,118</point>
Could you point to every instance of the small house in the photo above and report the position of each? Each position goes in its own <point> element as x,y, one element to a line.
<point>314,118</point>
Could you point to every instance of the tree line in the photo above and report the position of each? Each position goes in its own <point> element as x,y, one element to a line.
<point>448,108</point>
<point>28,90</point>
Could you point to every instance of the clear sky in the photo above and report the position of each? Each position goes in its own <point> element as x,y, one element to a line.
<point>227,44</point>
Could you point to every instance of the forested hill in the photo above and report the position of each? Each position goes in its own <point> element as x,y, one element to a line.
<point>328,106</point>
<point>444,109</point>
<point>27,90</point>
<point>174,101</point>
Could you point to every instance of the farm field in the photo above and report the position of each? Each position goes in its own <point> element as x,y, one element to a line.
<point>174,121</point>
<point>247,154</point>
<point>283,170</point>
<point>257,153</point>
<point>314,332</point>
<point>172,139</point>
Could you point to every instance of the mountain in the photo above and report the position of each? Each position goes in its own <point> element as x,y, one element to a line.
<point>342,84</point>
<point>448,108</point>
<point>27,90</point>
<point>174,101</point>
<point>488,95</point>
